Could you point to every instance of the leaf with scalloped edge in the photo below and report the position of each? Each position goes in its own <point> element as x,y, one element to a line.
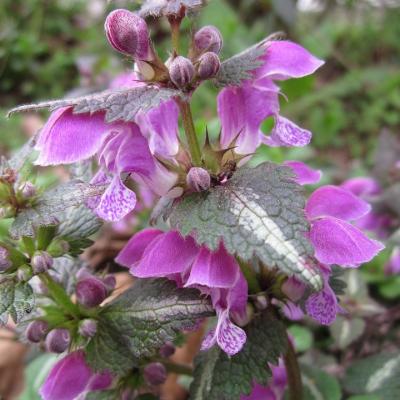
<point>138,322</point>
<point>258,212</point>
<point>219,377</point>
<point>118,105</point>
<point>157,8</point>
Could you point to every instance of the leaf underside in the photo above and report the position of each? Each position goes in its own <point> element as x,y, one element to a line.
<point>259,212</point>
<point>219,377</point>
<point>53,202</point>
<point>141,320</point>
<point>118,105</point>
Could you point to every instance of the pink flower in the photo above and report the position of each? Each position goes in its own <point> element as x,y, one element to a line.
<point>153,253</point>
<point>393,265</point>
<point>243,109</point>
<point>71,377</point>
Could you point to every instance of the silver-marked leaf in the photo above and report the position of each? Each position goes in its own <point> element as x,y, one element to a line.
<point>16,300</point>
<point>141,320</point>
<point>258,212</point>
<point>346,331</point>
<point>22,156</point>
<point>157,8</point>
<point>219,377</point>
<point>53,202</point>
<point>118,105</point>
<point>378,375</point>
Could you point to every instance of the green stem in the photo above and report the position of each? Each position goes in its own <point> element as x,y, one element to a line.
<point>190,132</point>
<point>175,23</point>
<point>293,373</point>
<point>176,368</point>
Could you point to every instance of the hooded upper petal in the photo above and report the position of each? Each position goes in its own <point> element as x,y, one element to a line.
<point>284,59</point>
<point>68,137</point>
<point>241,111</point>
<point>362,186</point>
<point>338,242</point>
<point>304,174</point>
<point>335,202</point>
<point>134,249</point>
<point>166,255</point>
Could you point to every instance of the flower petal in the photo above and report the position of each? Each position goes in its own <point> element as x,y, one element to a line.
<point>168,254</point>
<point>286,133</point>
<point>260,393</point>
<point>393,265</point>
<point>67,379</point>
<point>362,186</point>
<point>68,137</point>
<point>336,202</point>
<point>134,249</point>
<point>304,174</point>
<point>338,242</point>
<point>284,59</point>
<point>116,202</point>
<point>230,338</point>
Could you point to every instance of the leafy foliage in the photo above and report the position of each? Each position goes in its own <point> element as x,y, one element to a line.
<point>50,204</point>
<point>118,105</point>
<point>378,375</point>
<point>141,320</point>
<point>157,8</point>
<point>16,300</point>
<point>219,377</point>
<point>258,212</point>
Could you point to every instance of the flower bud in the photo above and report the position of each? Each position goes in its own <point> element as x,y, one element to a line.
<point>208,38</point>
<point>41,262</point>
<point>36,331</point>
<point>58,340</point>
<point>167,350</point>
<point>155,374</point>
<point>27,189</point>
<point>128,34</point>
<point>88,328</point>
<point>58,248</point>
<point>91,292</point>
<point>5,262</point>
<point>110,282</point>
<point>198,179</point>
<point>24,273</point>
<point>208,66</point>
<point>293,289</point>
<point>181,71</point>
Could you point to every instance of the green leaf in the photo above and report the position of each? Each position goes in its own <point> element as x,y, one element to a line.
<point>53,202</point>
<point>336,282</point>
<point>219,377</point>
<point>119,105</point>
<point>302,336</point>
<point>141,320</point>
<point>112,394</point>
<point>378,375</point>
<point>258,212</point>
<point>346,331</point>
<point>16,300</point>
<point>318,385</point>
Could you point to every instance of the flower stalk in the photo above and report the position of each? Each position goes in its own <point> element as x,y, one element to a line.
<point>293,373</point>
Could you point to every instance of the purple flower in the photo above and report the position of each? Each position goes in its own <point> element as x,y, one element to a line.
<point>304,174</point>
<point>336,241</point>
<point>153,253</point>
<point>393,265</point>
<point>243,109</point>
<point>71,377</point>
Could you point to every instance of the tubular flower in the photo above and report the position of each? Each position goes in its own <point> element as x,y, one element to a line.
<point>242,109</point>
<point>153,253</point>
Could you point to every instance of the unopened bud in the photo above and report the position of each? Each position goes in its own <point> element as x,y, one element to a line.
<point>24,273</point>
<point>167,350</point>
<point>88,328</point>
<point>261,302</point>
<point>37,331</point>
<point>181,71</point>
<point>155,374</point>
<point>293,289</point>
<point>110,282</point>
<point>243,319</point>
<point>58,340</point>
<point>41,262</point>
<point>128,34</point>
<point>198,179</point>
<point>58,248</point>
<point>208,66</point>
<point>27,189</point>
<point>83,273</point>
<point>208,38</point>
<point>91,292</point>
<point>5,262</point>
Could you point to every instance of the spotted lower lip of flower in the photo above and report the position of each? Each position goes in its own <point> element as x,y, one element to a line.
<point>153,253</point>
<point>243,109</point>
<point>336,241</point>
